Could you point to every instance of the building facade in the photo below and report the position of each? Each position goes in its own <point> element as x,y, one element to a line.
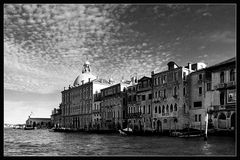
<point>39,122</point>
<point>197,89</point>
<point>133,109</point>
<point>144,103</point>
<point>56,117</point>
<point>96,117</point>
<point>114,107</point>
<point>171,97</point>
<point>221,95</point>
<point>77,101</point>
<point>174,99</point>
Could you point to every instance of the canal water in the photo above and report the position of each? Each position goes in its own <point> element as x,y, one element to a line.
<point>44,143</point>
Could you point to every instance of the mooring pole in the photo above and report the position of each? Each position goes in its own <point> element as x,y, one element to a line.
<point>206,121</point>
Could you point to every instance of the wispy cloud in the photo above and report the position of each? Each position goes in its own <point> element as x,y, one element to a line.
<point>224,37</point>
<point>45,45</point>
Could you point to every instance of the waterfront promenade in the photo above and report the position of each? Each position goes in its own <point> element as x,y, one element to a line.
<point>45,143</point>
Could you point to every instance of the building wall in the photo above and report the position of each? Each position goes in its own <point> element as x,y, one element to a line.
<point>39,122</point>
<point>96,118</point>
<point>197,113</point>
<point>223,114</point>
<point>113,107</point>
<point>133,109</point>
<point>77,105</point>
<point>144,89</point>
<point>178,117</point>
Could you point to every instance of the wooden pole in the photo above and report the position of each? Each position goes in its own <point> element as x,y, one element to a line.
<point>206,121</point>
<point>200,125</point>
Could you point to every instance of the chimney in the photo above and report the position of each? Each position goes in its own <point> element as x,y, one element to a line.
<point>189,66</point>
<point>152,73</point>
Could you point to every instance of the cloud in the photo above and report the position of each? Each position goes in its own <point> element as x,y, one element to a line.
<point>224,37</point>
<point>45,45</point>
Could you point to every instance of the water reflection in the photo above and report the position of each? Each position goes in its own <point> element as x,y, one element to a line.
<point>206,148</point>
<point>42,142</point>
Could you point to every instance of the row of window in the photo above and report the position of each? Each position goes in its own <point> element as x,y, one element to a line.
<point>96,115</point>
<point>71,110</point>
<point>159,109</point>
<point>141,97</point>
<point>110,91</point>
<point>144,84</point>
<point>231,74</point>
<point>96,106</point>
<point>111,114</point>
<point>198,117</point>
<point>81,95</point>
<point>163,79</point>
<point>163,93</point>
<point>139,109</point>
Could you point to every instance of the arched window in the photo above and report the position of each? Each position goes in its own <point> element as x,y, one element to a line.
<point>171,108</point>
<point>159,109</point>
<point>175,107</point>
<point>163,109</point>
<point>167,109</point>
<point>222,77</point>
<point>156,109</point>
<point>144,109</point>
<point>232,75</point>
<point>222,116</point>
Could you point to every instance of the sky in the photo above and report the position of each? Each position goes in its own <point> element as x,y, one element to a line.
<point>45,46</point>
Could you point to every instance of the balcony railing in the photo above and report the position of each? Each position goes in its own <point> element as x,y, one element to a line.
<point>231,84</point>
<point>134,115</point>
<point>220,86</point>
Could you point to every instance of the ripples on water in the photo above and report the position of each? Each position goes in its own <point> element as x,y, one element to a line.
<point>45,143</point>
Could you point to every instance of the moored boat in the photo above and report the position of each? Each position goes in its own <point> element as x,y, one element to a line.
<point>29,128</point>
<point>126,131</point>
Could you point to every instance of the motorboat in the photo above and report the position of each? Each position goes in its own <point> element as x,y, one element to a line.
<point>126,131</point>
<point>27,127</point>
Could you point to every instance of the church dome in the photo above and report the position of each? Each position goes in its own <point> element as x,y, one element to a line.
<point>83,77</point>
<point>87,63</point>
<point>86,75</point>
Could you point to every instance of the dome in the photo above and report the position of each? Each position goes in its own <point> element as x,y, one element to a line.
<point>87,63</point>
<point>83,77</point>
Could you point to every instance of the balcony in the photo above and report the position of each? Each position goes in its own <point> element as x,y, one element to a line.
<point>220,86</point>
<point>134,115</point>
<point>170,114</point>
<point>219,107</point>
<point>231,84</point>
